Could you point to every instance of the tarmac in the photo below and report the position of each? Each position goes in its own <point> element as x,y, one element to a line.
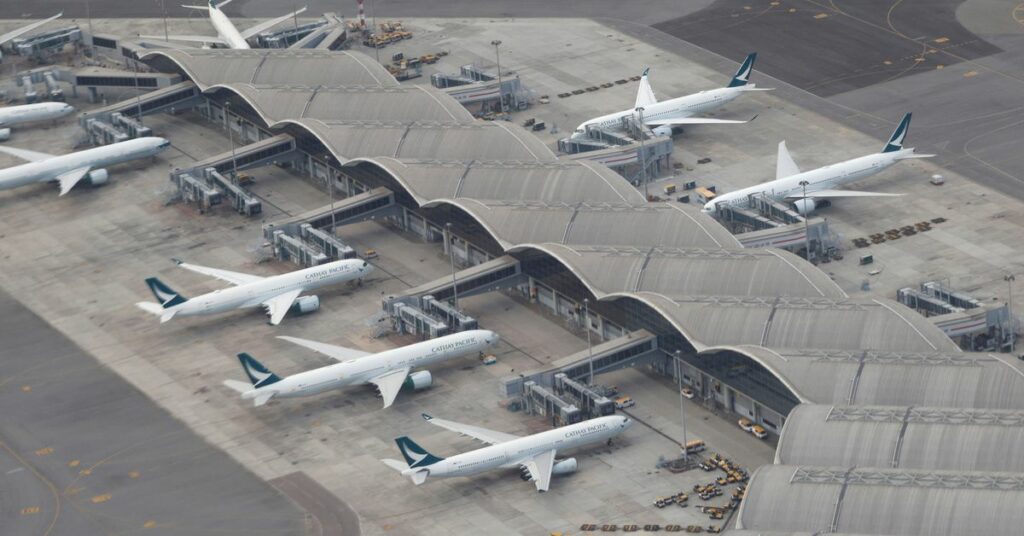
<point>78,263</point>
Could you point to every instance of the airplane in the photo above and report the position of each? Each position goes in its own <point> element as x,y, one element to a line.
<point>25,29</point>
<point>664,115</point>
<point>227,34</point>
<point>389,370</point>
<point>534,454</point>
<point>277,294</point>
<point>821,182</point>
<point>29,113</point>
<point>69,169</point>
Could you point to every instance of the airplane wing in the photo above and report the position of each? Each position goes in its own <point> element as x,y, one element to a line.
<point>25,154</point>
<point>27,28</point>
<point>540,469</point>
<point>278,305</point>
<point>336,352</point>
<point>694,121</point>
<point>267,24</point>
<point>824,194</point>
<point>190,38</point>
<point>235,278</point>
<point>785,166</point>
<point>390,383</point>
<point>69,179</point>
<point>489,437</point>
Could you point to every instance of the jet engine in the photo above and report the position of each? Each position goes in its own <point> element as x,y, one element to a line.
<point>805,206</point>
<point>98,177</point>
<point>419,380</point>
<point>305,305</point>
<point>564,467</point>
<point>664,130</point>
<point>5,134</point>
<point>567,466</point>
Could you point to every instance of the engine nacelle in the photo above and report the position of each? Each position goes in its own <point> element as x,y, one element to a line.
<point>98,177</point>
<point>419,380</point>
<point>805,206</point>
<point>663,130</point>
<point>567,466</point>
<point>5,134</point>
<point>305,305</point>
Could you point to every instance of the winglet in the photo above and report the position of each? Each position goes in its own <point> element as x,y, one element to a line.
<point>426,417</point>
<point>645,71</point>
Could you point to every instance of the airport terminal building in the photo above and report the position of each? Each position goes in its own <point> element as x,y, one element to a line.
<point>759,332</point>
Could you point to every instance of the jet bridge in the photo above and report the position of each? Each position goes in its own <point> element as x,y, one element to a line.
<point>496,274</point>
<point>368,205</point>
<point>177,97</point>
<point>632,349</point>
<point>273,150</point>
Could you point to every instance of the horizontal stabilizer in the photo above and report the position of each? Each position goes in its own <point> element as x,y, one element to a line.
<point>262,398</point>
<point>419,477</point>
<point>694,121</point>
<point>203,8</point>
<point>238,386</point>
<point>395,464</point>
<point>151,308</point>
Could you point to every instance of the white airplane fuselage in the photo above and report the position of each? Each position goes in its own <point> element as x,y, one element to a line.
<point>29,113</point>
<point>94,158</point>
<point>361,370</point>
<point>226,30</point>
<point>255,293</point>
<point>824,178</point>
<point>514,452</point>
<point>679,107</point>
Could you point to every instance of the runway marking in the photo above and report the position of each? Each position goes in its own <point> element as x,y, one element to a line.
<point>74,463</point>
<point>99,499</point>
<point>134,474</point>
<point>53,489</point>
<point>821,16</point>
<point>969,74</point>
<point>44,451</point>
<point>1018,14</point>
<point>149,524</point>
<point>26,388</point>
<point>941,40</point>
<point>15,470</point>
<point>30,510</point>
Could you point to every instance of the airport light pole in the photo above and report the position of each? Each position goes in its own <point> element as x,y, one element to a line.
<point>373,21</point>
<point>590,347</point>
<point>682,407</point>
<point>643,155</point>
<point>231,136</point>
<point>497,59</point>
<point>807,225</point>
<point>163,8</point>
<point>451,258</point>
<point>1009,306</point>
<point>330,189</point>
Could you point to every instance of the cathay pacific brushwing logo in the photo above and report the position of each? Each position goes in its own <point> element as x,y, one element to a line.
<point>165,297</point>
<point>258,376</point>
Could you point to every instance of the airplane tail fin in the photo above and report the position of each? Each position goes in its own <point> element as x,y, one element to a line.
<point>415,455</point>
<point>895,142</point>
<point>743,74</point>
<point>259,375</point>
<point>645,95</point>
<point>164,294</point>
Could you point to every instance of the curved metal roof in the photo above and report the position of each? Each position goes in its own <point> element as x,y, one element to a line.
<point>858,377</point>
<point>906,437</point>
<point>882,501</point>
<point>680,272</point>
